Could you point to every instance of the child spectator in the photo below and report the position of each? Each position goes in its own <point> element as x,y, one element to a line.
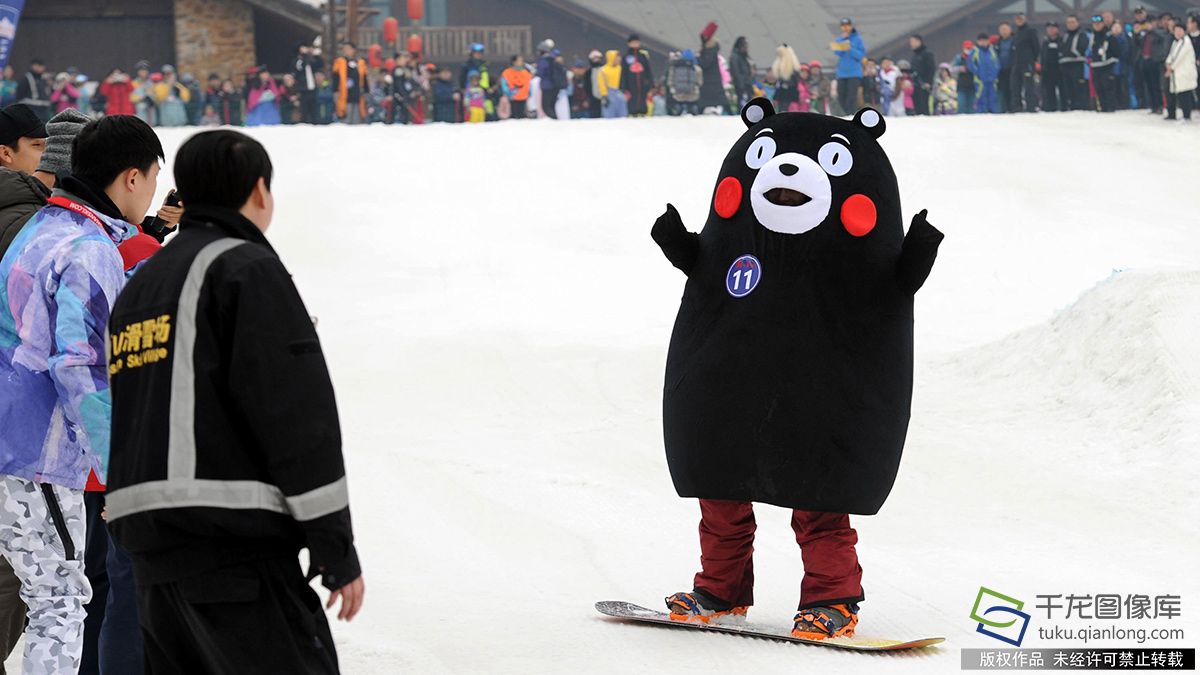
<point>907,87</point>
<point>229,105</point>
<point>820,91</point>
<point>805,100</point>
<point>770,83</point>
<point>212,93</point>
<point>262,101</point>
<point>474,99</point>
<point>289,100</point>
<point>890,79</point>
<point>210,118</point>
<point>945,96</point>
<point>379,100</point>
<point>684,79</point>
<point>445,97</point>
<point>514,83</point>
<point>325,99</point>
<point>658,102</point>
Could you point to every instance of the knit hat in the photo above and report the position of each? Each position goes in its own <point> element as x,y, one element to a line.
<point>61,131</point>
<point>967,44</point>
<point>709,31</point>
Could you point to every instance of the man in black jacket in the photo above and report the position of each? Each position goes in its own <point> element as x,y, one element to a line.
<point>925,71</point>
<point>306,66</point>
<point>1054,97</point>
<point>1025,56</point>
<point>636,76</point>
<point>34,90</point>
<point>741,70</point>
<point>226,452</point>
<point>1075,45</point>
<point>1152,44</point>
<point>1105,54</point>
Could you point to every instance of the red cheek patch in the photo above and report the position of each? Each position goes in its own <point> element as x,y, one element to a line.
<point>858,215</point>
<point>728,198</point>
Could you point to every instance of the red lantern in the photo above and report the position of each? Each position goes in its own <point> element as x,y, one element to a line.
<point>391,30</point>
<point>415,44</point>
<point>375,56</point>
<point>416,10</point>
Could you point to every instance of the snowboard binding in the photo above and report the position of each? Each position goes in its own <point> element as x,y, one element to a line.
<point>820,623</point>
<point>691,608</point>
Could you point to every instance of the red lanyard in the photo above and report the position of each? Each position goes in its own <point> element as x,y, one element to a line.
<point>82,210</point>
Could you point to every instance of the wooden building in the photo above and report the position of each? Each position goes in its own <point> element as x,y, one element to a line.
<point>227,37</point>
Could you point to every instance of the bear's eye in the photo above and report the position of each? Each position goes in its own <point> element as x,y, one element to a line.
<point>761,151</point>
<point>835,159</point>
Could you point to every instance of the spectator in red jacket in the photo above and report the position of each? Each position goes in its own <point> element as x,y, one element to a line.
<point>117,89</point>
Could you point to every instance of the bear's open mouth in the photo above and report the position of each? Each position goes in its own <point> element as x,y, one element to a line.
<point>785,197</point>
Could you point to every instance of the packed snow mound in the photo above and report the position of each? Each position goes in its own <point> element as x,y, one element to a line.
<point>1122,358</point>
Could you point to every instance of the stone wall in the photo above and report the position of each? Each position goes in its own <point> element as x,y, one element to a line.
<point>214,36</point>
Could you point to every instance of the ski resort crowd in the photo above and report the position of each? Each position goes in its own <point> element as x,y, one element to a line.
<point>1105,63</point>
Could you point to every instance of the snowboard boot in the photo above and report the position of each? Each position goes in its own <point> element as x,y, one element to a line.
<point>819,623</point>
<point>696,607</point>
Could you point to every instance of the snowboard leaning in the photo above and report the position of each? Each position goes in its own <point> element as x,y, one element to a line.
<point>632,612</point>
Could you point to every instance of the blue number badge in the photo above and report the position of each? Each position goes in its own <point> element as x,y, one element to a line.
<point>743,276</point>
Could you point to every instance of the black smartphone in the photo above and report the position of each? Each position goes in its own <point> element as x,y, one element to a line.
<point>158,226</point>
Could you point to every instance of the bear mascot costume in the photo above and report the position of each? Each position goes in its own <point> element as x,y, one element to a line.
<point>789,375</point>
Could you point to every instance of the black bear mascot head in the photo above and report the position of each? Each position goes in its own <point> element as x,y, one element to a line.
<point>789,376</point>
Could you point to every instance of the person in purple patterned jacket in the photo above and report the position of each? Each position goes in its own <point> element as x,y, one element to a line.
<point>58,281</point>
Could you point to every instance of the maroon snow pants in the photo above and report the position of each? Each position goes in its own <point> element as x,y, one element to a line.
<point>831,571</point>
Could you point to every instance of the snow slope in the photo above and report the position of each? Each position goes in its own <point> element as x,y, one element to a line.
<point>496,319</point>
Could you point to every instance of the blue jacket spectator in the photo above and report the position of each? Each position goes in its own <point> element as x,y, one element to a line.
<point>984,64</point>
<point>850,60</point>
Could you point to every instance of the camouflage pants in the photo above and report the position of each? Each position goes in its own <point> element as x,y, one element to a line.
<point>50,568</point>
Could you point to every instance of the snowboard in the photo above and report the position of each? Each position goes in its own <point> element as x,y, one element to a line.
<point>631,612</point>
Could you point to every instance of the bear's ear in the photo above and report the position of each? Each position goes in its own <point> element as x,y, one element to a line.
<point>757,110</point>
<point>871,120</point>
